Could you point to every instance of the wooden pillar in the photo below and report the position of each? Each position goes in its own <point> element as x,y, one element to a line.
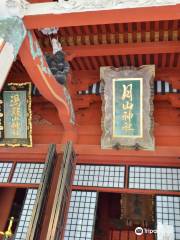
<point>33,60</point>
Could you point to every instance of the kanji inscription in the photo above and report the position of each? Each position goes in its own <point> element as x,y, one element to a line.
<point>127,107</point>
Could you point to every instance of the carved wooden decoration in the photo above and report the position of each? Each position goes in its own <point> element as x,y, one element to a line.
<point>64,6</point>
<point>127,107</point>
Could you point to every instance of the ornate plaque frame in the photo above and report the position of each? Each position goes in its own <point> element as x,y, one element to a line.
<point>7,112</point>
<point>143,117</point>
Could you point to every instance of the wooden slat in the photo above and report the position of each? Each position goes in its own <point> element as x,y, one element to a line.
<point>178,61</point>
<point>109,61</point>
<point>93,66</point>
<point>170,26</point>
<point>62,195</point>
<point>86,60</point>
<point>156,27</point>
<point>64,35</point>
<point>140,62</point>
<point>178,29</point>
<point>134,31</point>
<point>116,59</point>
<point>163,60</point>
<point>171,61</point>
<point>124,61</point>
<point>77,64</point>
<point>143,31</point>
<point>91,37</point>
<point>107,32</point>
<point>80,63</point>
<point>85,63</point>
<point>175,59</point>
<point>101,59</point>
<point>74,65</point>
<point>156,58</point>
<point>95,63</point>
<point>132,60</point>
<point>73,36</point>
<point>36,219</point>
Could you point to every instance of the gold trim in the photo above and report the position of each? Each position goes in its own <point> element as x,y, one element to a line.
<point>8,233</point>
<point>5,122</point>
<point>29,117</point>
<point>141,107</point>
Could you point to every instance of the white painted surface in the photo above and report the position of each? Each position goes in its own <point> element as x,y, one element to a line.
<point>165,232</point>
<point>56,45</point>
<point>6,60</point>
<point>92,5</point>
<point>13,8</point>
<point>49,31</point>
<point>1,42</point>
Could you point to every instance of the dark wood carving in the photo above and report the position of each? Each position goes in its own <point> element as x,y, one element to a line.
<point>137,210</point>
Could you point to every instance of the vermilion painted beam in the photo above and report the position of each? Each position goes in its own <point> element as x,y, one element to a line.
<point>170,75</point>
<point>35,154</point>
<point>93,153</point>
<point>95,150</point>
<point>122,49</point>
<point>18,185</point>
<point>130,160</point>
<point>126,190</point>
<point>33,60</point>
<point>36,18</point>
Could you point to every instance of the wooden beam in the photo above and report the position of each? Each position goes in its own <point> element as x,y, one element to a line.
<point>33,60</point>
<point>122,49</point>
<point>18,185</point>
<point>46,15</point>
<point>95,150</point>
<point>170,75</point>
<point>35,154</point>
<point>126,190</point>
<point>85,151</point>
<point>129,160</point>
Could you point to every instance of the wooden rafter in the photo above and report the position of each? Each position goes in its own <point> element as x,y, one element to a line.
<point>123,49</point>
